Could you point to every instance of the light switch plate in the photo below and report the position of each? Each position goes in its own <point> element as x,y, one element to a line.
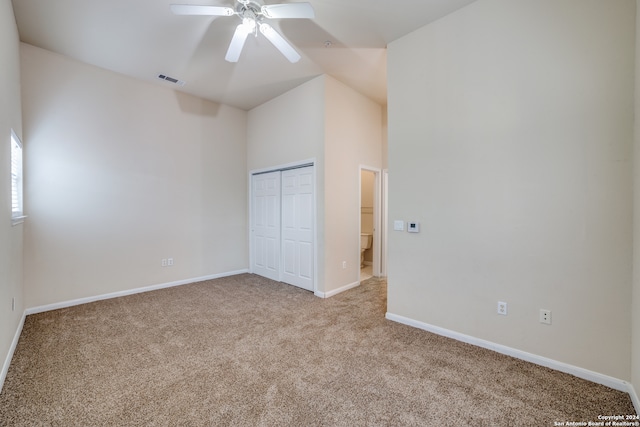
<point>398,225</point>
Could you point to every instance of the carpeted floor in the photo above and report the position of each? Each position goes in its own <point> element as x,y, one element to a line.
<point>247,351</point>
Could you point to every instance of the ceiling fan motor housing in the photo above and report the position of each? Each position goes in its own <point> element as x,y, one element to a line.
<point>254,6</point>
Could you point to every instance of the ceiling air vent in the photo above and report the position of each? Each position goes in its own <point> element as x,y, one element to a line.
<point>171,80</point>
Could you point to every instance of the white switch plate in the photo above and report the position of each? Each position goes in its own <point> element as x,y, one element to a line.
<point>398,225</point>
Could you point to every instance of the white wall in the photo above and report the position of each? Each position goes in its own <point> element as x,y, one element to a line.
<point>353,128</point>
<point>121,174</point>
<point>510,135</point>
<point>10,237</point>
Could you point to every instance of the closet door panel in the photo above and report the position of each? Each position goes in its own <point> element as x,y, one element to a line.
<point>282,226</point>
<point>297,227</point>
<point>265,221</point>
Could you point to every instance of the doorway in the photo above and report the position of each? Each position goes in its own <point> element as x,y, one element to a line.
<point>370,218</point>
<point>282,225</point>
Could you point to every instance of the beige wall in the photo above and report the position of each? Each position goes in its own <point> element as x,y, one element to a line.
<point>10,237</point>
<point>121,174</point>
<point>385,139</point>
<point>353,138</point>
<point>510,138</point>
<point>367,191</point>
<point>341,129</point>
<point>290,129</point>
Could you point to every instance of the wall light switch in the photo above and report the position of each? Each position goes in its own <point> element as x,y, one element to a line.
<point>398,225</point>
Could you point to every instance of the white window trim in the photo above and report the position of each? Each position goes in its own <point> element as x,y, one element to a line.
<point>17,216</point>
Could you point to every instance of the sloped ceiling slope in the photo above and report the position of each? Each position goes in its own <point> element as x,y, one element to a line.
<point>143,38</point>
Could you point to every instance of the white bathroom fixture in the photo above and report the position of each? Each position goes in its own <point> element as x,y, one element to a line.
<point>365,243</point>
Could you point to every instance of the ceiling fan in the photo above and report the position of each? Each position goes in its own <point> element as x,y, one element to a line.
<point>253,14</point>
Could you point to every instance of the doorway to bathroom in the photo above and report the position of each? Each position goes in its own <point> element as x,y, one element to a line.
<point>370,217</point>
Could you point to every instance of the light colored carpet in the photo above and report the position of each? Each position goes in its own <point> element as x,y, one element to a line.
<point>248,351</point>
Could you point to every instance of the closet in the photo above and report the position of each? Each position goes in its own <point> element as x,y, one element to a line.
<point>283,225</point>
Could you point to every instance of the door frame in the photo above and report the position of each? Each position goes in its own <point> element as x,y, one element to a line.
<point>377,210</point>
<point>276,168</point>
<point>385,223</point>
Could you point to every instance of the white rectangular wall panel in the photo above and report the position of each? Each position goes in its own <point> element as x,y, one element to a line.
<point>297,227</point>
<point>265,220</point>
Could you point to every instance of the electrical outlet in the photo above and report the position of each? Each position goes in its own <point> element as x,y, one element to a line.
<point>164,262</point>
<point>545,316</point>
<point>502,308</point>
<point>170,262</point>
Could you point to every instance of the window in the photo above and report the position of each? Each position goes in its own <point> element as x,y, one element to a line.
<point>17,213</point>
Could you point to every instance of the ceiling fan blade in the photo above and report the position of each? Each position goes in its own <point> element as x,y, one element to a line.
<point>279,42</point>
<point>237,43</point>
<point>289,10</point>
<point>191,9</point>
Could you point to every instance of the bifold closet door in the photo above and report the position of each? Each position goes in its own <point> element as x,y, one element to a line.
<point>282,226</point>
<point>266,224</point>
<point>297,227</point>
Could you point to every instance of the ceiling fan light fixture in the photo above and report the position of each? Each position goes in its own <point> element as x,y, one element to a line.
<point>252,13</point>
<point>249,24</point>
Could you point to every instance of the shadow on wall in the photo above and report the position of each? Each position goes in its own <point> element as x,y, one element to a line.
<point>196,106</point>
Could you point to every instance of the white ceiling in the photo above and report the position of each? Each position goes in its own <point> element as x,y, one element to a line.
<point>142,38</point>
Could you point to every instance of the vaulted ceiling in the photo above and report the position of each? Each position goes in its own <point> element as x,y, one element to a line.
<point>347,39</point>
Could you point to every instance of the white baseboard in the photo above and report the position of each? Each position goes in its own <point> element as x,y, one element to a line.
<point>64,304</point>
<point>12,349</point>
<point>336,291</point>
<point>586,374</point>
<point>634,398</point>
